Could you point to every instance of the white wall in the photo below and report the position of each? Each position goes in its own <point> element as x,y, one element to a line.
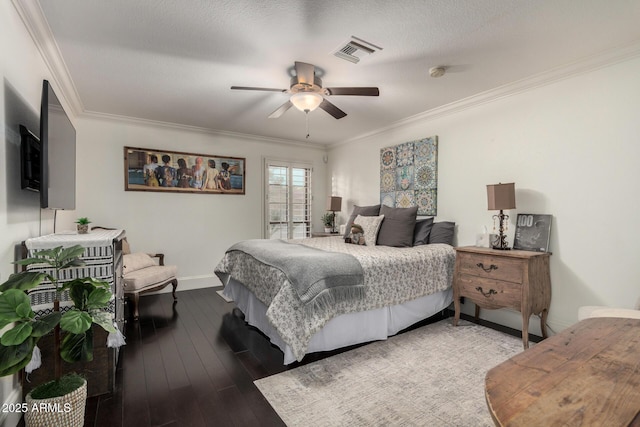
<point>571,148</point>
<point>22,71</point>
<point>192,230</point>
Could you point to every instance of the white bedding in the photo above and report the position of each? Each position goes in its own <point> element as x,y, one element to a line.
<point>392,276</point>
<point>346,329</point>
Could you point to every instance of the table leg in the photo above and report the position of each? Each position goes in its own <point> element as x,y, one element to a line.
<point>543,322</point>
<point>525,330</point>
<point>456,307</point>
<point>477,313</point>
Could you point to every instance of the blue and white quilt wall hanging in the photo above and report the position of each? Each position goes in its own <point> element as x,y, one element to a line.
<point>409,175</point>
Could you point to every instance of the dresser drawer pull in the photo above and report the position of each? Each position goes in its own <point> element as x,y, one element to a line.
<point>486,294</point>
<point>487,269</point>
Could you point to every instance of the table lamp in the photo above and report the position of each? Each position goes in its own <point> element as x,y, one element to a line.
<point>334,204</point>
<point>500,197</point>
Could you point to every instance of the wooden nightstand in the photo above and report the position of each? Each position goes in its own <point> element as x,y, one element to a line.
<point>324,234</point>
<point>495,279</point>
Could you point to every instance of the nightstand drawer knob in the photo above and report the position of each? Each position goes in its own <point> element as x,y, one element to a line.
<point>488,293</point>
<point>487,269</point>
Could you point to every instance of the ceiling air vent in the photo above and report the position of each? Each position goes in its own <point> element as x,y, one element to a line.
<point>355,49</point>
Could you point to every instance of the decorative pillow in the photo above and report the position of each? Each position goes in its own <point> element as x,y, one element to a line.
<point>360,210</point>
<point>370,226</point>
<point>422,231</point>
<point>442,232</point>
<point>137,261</point>
<point>398,226</point>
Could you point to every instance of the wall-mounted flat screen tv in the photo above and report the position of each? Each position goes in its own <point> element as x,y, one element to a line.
<point>29,160</point>
<point>58,153</point>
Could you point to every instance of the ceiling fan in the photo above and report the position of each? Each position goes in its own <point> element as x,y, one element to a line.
<point>307,92</point>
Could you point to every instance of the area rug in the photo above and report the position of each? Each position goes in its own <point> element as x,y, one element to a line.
<point>431,376</point>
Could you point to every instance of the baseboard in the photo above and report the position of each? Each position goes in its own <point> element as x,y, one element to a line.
<point>513,319</point>
<point>190,283</point>
<point>498,327</point>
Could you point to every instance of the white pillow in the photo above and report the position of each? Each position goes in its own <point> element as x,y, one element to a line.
<point>371,226</point>
<point>136,261</point>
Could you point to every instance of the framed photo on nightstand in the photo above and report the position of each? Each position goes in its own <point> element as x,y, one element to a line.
<point>532,232</point>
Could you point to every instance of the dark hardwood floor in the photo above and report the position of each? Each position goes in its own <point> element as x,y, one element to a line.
<point>193,363</point>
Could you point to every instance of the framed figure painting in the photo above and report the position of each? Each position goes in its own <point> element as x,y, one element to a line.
<point>148,169</point>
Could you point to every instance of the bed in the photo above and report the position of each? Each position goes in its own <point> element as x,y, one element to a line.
<point>402,286</point>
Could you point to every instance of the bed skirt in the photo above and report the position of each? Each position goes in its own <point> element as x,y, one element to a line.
<point>346,329</point>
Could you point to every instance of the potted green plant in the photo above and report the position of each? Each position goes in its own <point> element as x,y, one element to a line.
<point>327,220</point>
<point>72,333</point>
<point>83,225</point>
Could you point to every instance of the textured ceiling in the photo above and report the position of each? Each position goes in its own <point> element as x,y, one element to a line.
<point>174,61</point>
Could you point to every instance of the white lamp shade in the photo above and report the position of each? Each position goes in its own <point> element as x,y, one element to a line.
<point>306,101</point>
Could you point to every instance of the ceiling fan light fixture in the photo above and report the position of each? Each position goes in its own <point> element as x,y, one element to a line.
<point>306,101</point>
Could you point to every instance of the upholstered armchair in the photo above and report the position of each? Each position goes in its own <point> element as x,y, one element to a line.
<point>144,273</point>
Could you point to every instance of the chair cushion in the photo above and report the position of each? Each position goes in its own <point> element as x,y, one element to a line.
<point>589,311</point>
<point>148,277</point>
<point>135,262</point>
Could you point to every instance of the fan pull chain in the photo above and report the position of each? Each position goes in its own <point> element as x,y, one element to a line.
<point>306,120</point>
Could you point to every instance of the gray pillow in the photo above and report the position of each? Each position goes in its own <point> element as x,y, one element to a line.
<point>422,231</point>
<point>397,227</point>
<point>360,210</point>
<point>442,232</point>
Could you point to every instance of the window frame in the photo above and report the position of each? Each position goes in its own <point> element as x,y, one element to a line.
<point>290,165</point>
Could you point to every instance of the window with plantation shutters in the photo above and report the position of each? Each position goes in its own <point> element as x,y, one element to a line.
<point>288,200</point>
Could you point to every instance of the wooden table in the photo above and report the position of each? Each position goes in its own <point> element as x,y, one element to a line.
<point>587,375</point>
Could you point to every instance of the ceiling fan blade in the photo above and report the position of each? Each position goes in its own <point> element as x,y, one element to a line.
<point>258,88</point>
<point>359,91</point>
<point>281,110</point>
<point>305,73</point>
<point>332,109</point>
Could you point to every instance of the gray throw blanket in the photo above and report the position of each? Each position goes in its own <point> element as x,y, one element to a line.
<point>320,278</point>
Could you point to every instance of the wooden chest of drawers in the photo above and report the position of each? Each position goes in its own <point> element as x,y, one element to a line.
<point>494,279</point>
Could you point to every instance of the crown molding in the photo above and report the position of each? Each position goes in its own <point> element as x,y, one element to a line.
<point>33,18</point>
<point>196,129</point>
<point>582,66</point>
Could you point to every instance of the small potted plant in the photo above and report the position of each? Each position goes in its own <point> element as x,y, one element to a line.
<point>83,225</point>
<point>18,347</point>
<point>327,220</point>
